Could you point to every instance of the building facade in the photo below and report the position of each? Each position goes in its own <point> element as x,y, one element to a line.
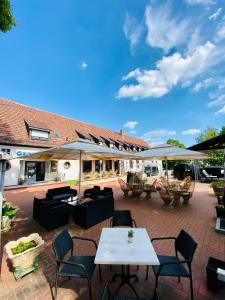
<point>25,130</point>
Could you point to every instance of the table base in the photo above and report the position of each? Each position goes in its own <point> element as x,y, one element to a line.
<point>126,278</point>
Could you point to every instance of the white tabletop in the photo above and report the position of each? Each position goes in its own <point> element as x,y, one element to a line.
<point>114,249</point>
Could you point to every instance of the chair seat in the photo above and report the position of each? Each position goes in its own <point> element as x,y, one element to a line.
<point>74,271</point>
<point>170,270</point>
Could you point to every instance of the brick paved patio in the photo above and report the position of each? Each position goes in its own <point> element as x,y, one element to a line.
<point>198,219</point>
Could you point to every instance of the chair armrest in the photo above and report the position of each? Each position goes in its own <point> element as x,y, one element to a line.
<point>172,263</point>
<point>135,225</point>
<point>86,239</point>
<point>73,264</point>
<point>163,238</point>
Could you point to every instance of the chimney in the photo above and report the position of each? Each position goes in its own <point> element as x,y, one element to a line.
<point>122,133</point>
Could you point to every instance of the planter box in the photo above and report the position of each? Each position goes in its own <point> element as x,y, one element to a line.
<point>213,281</point>
<point>220,212</point>
<point>218,191</point>
<point>27,261</point>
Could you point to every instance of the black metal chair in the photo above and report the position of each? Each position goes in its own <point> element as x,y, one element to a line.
<point>107,296</point>
<point>173,265</point>
<point>74,266</point>
<point>122,218</point>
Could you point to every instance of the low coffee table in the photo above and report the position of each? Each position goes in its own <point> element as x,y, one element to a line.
<point>114,249</point>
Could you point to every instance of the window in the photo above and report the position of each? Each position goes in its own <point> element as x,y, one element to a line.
<point>36,134</point>
<point>87,166</point>
<point>56,134</point>
<point>108,165</point>
<point>131,164</point>
<point>67,165</point>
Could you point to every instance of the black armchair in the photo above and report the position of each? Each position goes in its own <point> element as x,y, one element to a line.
<point>89,193</point>
<point>74,266</point>
<point>122,218</point>
<point>173,265</point>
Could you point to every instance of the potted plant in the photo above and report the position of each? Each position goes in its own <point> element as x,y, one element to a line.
<point>21,180</point>
<point>24,253</point>
<point>8,213</point>
<point>130,236</point>
<point>218,187</point>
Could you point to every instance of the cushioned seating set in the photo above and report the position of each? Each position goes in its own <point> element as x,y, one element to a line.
<point>51,212</point>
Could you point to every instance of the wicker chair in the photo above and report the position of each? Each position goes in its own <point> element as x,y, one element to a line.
<point>187,195</point>
<point>166,196</point>
<point>124,187</point>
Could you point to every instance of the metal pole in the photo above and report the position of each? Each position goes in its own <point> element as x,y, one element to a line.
<point>167,175</point>
<point>80,170</point>
<point>224,164</point>
<point>2,179</point>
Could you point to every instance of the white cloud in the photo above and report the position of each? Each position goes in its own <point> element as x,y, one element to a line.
<point>155,134</point>
<point>221,111</point>
<point>203,2</point>
<point>170,71</point>
<point>164,30</point>
<point>191,131</point>
<point>220,34</point>
<point>83,65</point>
<point>216,14</point>
<point>132,30</point>
<point>130,124</point>
<point>220,100</point>
<point>204,84</point>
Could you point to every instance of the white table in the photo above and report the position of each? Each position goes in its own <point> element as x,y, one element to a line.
<point>114,249</point>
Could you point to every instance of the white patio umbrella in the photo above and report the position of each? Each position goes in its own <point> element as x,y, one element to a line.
<point>79,150</point>
<point>167,152</point>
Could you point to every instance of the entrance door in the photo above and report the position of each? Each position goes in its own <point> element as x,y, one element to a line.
<point>30,171</point>
<point>34,171</point>
<point>40,171</point>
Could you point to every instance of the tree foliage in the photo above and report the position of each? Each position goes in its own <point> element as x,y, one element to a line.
<point>6,18</point>
<point>207,134</point>
<point>215,156</point>
<point>172,163</point>
<point>175,143</point>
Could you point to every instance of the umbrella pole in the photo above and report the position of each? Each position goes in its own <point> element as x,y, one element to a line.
<point>80,170</point>
<point>167,175</point>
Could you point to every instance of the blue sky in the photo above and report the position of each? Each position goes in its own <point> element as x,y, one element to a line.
<point>153,68</point>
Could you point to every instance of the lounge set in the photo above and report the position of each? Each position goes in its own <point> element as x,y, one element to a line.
<point>54,210</point>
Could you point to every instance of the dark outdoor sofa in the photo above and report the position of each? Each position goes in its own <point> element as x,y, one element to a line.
<point>94,211</point>
<point>97,192</point>
<point>61,193</point>
<point>50,214</point>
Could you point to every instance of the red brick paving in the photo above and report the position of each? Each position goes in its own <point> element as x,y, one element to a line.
<point>198,219</point>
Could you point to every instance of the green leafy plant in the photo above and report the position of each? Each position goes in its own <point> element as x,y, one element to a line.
<point>6,18</point>
<point>23,246</point>
<point>8,210</point>
<point>130,233</point>
<point>218,184</point>
<point>72,182</point>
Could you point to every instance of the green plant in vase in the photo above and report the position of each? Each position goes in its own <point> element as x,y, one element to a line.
<point>130,236</point>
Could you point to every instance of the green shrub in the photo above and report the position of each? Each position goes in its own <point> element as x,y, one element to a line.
<point>8,210</point>
<point>72,182</point>
<point>23,246</point>
<point>218,184</point>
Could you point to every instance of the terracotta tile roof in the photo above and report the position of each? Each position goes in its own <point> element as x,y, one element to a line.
<point>13,128</point>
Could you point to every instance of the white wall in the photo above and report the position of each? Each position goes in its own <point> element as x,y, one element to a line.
<point>71,173</point>
<point>11,176</point>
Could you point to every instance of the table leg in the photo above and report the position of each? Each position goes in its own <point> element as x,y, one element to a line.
<point>126,279</point>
